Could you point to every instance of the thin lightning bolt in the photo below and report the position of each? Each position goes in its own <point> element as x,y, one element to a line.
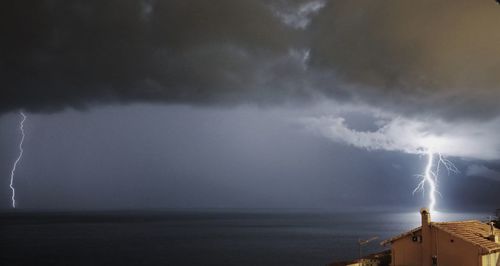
<point>21,151</point>
<point>430,176</point>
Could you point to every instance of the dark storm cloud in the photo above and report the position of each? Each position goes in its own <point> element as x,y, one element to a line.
<point>413,55</point>
<point>58,53</point>
<point>406,56</point>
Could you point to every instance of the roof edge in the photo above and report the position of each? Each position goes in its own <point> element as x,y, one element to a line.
<point>488,250</point>
<point>390,240</point>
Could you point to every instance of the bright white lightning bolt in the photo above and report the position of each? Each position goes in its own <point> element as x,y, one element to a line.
<point>430,176</point>
<point>21,151</point>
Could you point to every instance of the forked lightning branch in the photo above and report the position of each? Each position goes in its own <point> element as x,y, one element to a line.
<point>430,177</point>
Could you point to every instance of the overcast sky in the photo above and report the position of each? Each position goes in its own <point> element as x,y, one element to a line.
<point>248,103</point>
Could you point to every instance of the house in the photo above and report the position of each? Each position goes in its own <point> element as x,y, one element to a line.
<point>468,243</point>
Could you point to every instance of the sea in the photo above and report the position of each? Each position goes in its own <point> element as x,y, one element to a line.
<point>200,236</point>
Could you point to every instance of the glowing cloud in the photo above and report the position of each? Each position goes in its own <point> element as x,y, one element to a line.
<point>460,139</point>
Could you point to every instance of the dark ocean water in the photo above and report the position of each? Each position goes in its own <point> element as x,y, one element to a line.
<point>201,237</point>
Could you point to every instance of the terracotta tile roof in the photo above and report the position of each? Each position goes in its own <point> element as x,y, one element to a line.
<point>474,232</point>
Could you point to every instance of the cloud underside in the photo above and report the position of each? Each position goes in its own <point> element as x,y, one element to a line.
<point>471,140</point>
<point>413,57</point>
